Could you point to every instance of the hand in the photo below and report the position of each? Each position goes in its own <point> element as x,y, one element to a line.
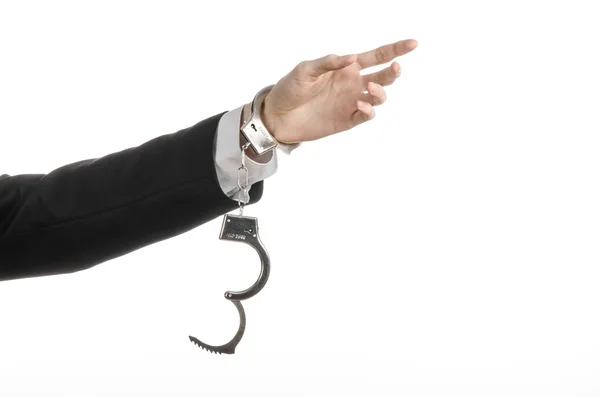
<point>328,95</point>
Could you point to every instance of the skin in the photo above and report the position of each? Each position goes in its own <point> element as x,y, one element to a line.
<point>328,95</point>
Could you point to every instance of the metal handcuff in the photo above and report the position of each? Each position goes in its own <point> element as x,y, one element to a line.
<point>242,228</point>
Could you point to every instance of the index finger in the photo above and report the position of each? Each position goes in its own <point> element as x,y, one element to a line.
<point>385,53</point>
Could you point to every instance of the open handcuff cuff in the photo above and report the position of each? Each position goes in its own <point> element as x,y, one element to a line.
<point>242,228</point>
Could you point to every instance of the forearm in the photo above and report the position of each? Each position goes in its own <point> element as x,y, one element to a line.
<point>95,210</point>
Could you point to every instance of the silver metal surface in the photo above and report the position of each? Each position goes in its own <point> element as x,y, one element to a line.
<point>254,130</point>
<point>229,347</point>
<point>244,229</point>
<point>243,196</point>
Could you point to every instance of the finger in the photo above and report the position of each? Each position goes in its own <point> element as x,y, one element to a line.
<point>364,112</point>
<point>385,53</point>
<point>375,94</point>
<point>384,77</point>
<point>328,63</point>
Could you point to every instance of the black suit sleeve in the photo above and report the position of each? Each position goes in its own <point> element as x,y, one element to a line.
<point>91,211</point>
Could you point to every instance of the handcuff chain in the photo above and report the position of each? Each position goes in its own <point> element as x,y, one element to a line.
<point>243,196</point>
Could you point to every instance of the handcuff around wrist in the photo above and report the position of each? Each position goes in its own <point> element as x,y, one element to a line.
<point>255,131</point>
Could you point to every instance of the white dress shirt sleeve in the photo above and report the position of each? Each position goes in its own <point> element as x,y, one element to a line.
<point>228,156</point>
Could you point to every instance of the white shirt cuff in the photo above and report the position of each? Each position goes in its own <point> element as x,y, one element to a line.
<point>228,156</point>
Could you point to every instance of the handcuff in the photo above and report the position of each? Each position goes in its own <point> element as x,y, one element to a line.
<point>244,229</point>
<point>255,132</point>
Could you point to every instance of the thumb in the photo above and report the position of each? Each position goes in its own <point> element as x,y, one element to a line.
<point>328,63</point>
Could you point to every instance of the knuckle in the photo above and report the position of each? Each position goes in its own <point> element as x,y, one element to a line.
<point>330,58</point>
<point>380,55</point>
<point>301,67</point>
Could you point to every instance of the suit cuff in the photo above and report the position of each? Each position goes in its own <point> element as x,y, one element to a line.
<point>228,156</point>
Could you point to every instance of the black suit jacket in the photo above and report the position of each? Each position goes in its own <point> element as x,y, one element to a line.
<point>91,211</point>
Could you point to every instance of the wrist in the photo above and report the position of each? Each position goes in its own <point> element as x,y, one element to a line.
<point>272,120</point>
<point>269,117</point>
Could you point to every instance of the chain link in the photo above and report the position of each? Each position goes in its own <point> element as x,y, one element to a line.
<point>243,196</point>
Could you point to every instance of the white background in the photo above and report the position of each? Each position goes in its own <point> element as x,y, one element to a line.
<point>449,247</point>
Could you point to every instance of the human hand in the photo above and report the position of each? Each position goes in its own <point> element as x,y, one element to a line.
<point>328,95</point>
